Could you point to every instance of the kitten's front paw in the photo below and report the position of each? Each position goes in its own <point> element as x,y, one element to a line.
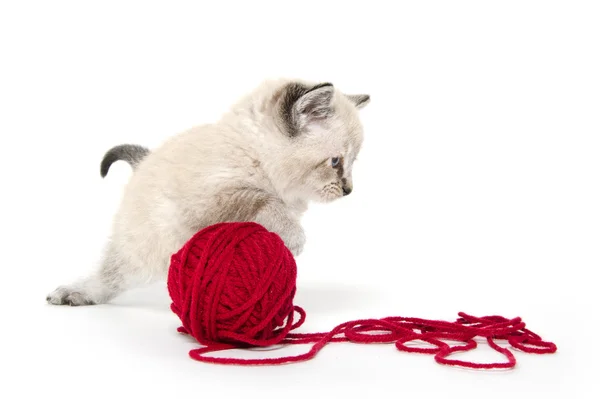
<point>294,240</point>
<point>68,296</point>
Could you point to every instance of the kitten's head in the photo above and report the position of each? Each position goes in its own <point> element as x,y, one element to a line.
<point>323,136</point>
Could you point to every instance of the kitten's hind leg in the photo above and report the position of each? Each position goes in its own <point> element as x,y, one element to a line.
<point>102,286</point>
<point>89,291</point>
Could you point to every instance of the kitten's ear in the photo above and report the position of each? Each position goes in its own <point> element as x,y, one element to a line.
<point>301,105</point>
<point>315,104</point>
<point>359,100</point>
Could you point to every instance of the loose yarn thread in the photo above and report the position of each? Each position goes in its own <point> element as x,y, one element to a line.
<point>232,285</point>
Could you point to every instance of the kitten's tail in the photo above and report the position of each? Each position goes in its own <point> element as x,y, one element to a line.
<point>131,153</point>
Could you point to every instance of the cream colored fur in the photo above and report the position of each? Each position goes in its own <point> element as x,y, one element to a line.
<point>244,167</point>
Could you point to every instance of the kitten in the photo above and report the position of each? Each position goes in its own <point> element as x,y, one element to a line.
<point>283,145</point>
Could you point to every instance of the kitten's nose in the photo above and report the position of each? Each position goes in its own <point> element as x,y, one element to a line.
<point>346,190</point>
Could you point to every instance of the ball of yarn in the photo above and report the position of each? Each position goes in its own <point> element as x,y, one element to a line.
<point>234,283</point>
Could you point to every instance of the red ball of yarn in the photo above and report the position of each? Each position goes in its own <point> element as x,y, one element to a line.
<point>234,283</point>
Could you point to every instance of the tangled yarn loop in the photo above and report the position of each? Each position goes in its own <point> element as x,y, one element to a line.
<point>232,286</point>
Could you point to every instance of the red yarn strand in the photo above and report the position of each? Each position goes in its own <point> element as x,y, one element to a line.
<point>401,332</point>
<point>232,286</point>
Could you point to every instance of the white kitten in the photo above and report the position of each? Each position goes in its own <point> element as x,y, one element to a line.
<point>285,144</point>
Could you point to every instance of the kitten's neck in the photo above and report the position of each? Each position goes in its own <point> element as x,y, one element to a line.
<point>259,132</point>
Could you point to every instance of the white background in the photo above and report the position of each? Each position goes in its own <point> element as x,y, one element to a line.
<point>477,189</point>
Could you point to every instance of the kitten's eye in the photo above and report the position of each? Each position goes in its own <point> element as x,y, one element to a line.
<point>335,161</point>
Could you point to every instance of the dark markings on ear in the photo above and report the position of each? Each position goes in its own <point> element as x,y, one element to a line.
<point>359,100</point>
<point>300,101</point>
<point>291,93</point>
<point>317,105</point>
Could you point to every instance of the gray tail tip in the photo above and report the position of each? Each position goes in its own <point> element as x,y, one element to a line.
<point>130,153</point>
